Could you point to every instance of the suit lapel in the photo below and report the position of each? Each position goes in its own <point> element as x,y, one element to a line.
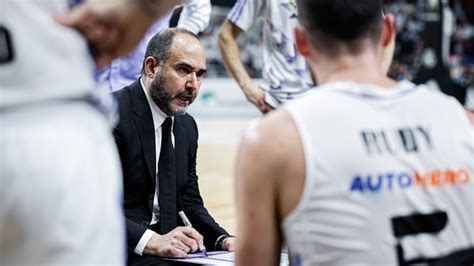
<point>146,130</point>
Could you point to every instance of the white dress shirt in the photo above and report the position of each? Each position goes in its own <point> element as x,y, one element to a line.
<point>158,119</point>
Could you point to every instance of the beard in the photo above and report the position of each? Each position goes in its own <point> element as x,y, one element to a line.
<point>163,99</point>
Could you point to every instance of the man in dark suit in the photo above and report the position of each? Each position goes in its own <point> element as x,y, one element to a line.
<point>157,142</point>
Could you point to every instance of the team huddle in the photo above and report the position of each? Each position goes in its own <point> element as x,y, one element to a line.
<point>346,166</point>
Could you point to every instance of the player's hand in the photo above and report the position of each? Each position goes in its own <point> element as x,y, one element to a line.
<point>112,27</point>
<point>256,96</point>
<point>177,243</point>
<point>267,108</point>
<point>228,244</point>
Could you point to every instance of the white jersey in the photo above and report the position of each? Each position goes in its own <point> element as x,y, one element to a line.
<point>195,16</point>
<point>388,176</point>
<point>285,71</point>
<point>42,48</point>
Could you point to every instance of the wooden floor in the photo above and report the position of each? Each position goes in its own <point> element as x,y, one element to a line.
<point>218,144</point>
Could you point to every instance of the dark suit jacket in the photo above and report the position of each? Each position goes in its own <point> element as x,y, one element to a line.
<point>135,138</point>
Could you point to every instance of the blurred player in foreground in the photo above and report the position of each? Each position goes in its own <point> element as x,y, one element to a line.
<point>60,178</point>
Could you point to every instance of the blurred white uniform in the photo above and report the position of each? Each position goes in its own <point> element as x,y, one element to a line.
<point>195,16</point>
<point>390,183</point>
<point>285,71</point>
<point>60,178</point>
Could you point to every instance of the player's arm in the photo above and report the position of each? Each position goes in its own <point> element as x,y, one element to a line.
<point>270,176</point>
<point>231,55</point>
<point>114,27</point>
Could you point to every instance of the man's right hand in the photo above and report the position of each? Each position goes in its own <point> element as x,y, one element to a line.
<point>114,27</point>
<point>256,96</point>
<point>177,243</point>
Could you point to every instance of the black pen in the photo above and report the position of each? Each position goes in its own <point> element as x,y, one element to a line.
<point>186,222</point>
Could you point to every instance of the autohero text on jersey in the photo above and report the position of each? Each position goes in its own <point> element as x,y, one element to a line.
<point>400,141</point>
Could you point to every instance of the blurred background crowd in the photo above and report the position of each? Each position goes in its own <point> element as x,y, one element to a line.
<point>410,26</point>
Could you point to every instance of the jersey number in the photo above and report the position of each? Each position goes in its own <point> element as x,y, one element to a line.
<point>431,224</point>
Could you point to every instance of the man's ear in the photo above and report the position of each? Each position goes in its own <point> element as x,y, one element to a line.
<point>302,41</point>
<point>149,65</point>
<point>388,29</point>
<point>388,41</point>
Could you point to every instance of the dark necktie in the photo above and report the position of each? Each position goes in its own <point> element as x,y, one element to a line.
<point>167,180</point>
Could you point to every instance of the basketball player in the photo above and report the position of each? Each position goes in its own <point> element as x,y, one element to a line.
<point>285,71</point>
<point>362,170</point>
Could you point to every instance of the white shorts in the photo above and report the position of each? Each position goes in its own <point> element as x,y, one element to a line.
<point>60,187</point>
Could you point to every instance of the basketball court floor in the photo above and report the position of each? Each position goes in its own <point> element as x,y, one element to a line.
<point>217,151</point>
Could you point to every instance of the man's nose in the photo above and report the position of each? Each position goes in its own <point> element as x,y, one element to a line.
<point>189,90</point>
<point>193,80</point>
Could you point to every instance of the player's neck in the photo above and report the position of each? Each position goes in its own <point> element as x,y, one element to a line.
<point>364,68</point>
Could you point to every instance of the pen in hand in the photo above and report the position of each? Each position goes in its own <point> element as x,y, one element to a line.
<point>186,222</point>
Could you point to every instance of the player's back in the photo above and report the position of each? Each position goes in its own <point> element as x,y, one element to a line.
<point>388,177</point>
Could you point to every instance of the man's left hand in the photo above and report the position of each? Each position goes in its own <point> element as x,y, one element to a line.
<point>228,244</point>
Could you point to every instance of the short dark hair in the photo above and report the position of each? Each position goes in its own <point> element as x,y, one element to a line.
<point>159,46</point>
<point>343,21</point>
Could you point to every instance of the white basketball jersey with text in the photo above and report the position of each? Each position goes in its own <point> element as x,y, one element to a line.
<point>285,72</point>
<point>388,177</point>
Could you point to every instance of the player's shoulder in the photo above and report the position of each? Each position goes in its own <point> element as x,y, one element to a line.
<point>431,92</point>
<point>273,135</point>
<point>433,97</point>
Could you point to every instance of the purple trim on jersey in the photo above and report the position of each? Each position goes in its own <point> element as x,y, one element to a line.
<point>291,59</point>
<point>238,11</point>
<point>296,259</point>
<point>301,72</point>
<point>271,71</point>
<point>275,88</point>
<point>232,11</point>
<point>273,29</point>
<point>283,42</point>
<point>286,6</point>
<point>73,3</point>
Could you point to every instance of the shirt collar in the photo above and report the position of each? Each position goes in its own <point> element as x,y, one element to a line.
<point>158,115</point>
